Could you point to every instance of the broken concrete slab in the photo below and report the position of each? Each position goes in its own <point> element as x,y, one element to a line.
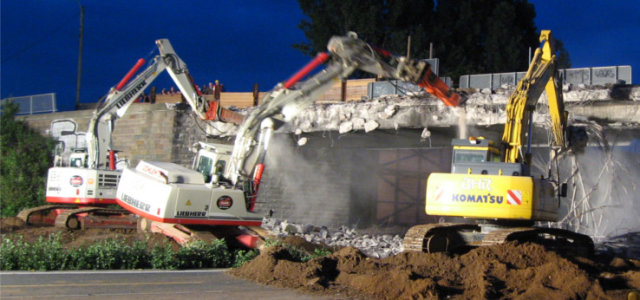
<point>608,104</point>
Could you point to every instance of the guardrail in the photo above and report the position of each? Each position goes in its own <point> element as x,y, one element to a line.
<point>586,76</point>
<point>34,104</point>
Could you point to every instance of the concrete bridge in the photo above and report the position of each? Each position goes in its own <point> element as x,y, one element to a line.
<point>366,162</point>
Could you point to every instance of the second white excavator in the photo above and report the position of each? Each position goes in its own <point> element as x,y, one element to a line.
<point>221,187</point>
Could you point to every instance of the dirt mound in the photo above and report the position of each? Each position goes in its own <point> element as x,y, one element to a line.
<point>502,271</point>
<point>13,227</point>
<point>11,224</point>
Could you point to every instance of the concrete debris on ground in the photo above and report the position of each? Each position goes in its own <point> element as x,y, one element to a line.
<point>372,245</point>
<point>386,245</point>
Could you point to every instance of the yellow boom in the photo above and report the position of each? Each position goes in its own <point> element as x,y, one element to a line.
<point>522,102</point>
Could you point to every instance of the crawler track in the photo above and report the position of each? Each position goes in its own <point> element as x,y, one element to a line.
<point>72,217</point>
<point>450,237</point>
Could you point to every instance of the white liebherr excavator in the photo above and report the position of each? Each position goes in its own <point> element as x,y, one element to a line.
<point>88,183</point>
<point>221,186</point>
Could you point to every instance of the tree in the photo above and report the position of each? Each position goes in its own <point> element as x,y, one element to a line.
<point>25,157</point>
<point>386,24</point>
<point>469,36</point>
<point>564,61</point>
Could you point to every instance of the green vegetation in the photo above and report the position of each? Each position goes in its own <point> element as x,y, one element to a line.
<point>49,254</point>
<point>244,256</point>
<point>25,157</point>
<point>468,36</point>
<point>320,253</point>
<point>297,253</point>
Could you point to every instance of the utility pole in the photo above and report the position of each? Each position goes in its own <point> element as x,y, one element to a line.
<point>79,80</point>
<point>430,50</point>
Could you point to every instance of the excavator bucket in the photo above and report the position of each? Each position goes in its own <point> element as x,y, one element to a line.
<point>218,113</point>
<point>437,87</point>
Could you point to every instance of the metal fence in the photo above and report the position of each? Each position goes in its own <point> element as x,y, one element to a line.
<point>493,81</point>
<point>34,104</point>
<point>586,76</point>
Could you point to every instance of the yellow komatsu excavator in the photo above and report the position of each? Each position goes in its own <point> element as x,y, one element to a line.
<point>494,188</point>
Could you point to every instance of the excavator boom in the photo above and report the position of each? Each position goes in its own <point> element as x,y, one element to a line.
<point>346,55</point>
<point>541,76</point>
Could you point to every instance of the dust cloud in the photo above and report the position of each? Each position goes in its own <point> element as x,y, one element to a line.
<point>462,122</point>
<point>603,184</point>
<point>603,189</point>
<point>303,184</point>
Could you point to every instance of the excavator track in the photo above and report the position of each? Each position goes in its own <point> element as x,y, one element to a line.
<point>448,237</point>
<point>95,217</point>
<point>41,215</point>
<point>559,240</point>
<point>439,237</point>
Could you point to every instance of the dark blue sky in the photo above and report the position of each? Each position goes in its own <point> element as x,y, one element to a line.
<point>237,42</point>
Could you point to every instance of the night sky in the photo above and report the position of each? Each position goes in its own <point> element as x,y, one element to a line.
<point>237,42</point>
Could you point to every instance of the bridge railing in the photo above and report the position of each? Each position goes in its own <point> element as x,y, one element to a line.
<point>587,76</point>
<point>34,104</point>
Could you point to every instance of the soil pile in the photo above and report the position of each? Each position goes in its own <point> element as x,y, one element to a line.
<point>509,270</point>
<point>13,227</point>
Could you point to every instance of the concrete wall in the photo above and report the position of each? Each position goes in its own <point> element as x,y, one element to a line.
<point>306,184</point>
<point>146,131</point>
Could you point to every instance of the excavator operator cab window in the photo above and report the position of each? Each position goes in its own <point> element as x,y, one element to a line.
<point>470,156</point>
<point>78,159</point>
<point>76,162</point>
<point>204,167</point>
<point>495,157</point>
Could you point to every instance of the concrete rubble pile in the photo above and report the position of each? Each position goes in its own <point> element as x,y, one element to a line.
<point>373,245</point>
<point>481,108</point>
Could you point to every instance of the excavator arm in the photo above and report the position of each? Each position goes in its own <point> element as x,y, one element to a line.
<point>355,52</point>
<point>117,102</point>
<point>346,55</point>
<point>226,194</point>
<point>206,110</point>
<point>522,103</point>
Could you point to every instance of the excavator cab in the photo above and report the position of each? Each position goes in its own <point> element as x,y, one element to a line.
<point>78,159</point>
<point>204,166</point>
<point>474,149</point>
<point>211,160</point>
<point>477,155</point>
